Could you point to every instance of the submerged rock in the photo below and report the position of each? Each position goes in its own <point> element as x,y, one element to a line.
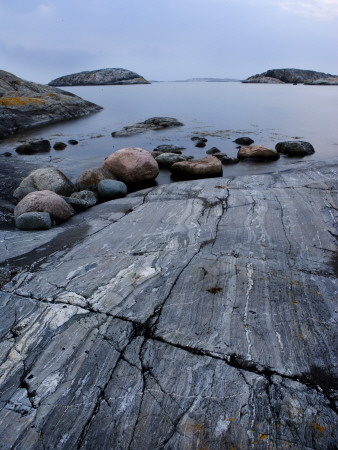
<point>166,160</point>
<point>132,165</point>
<point>100,77</point>
<point>200,168</point>
<point>154,123</point>
<point>39,146</point>
<point>166,148</point>
<point>24,104</point>
<point>257,152</point>
<point>59,146</point>
<point>244,141</point>
<point>44,201</point>
<point>295,148</point>
<point>49,178</point>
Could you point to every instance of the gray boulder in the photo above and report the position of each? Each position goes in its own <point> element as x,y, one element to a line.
<point>295,148</point>
<point>154,123</point>
<point>100,77</point>
<point>88,196</point>
<point>49,178</point>
<point>166,160</point>
<point>111,189</point>
<point>34,221</point>
<point>24,104</point>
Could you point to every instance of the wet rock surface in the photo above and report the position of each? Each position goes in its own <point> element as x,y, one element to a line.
<point>24,104</point>
<point>295,148</point>
<point>189,315</point>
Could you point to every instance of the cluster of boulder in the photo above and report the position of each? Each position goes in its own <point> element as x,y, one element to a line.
<point>46,196</point>
<point>42,146</point>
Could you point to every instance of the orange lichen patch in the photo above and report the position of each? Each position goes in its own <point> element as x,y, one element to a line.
<point>231,419</point>
<point>21,101</point>
<point>199,427</point>
<point>302,336</point>
<point>263,436</point>
<point>318,427</point>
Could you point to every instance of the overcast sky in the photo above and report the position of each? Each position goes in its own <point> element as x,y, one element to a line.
<point>167,39</point>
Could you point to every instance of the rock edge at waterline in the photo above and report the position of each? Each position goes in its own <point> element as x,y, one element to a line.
<point>100,77</point>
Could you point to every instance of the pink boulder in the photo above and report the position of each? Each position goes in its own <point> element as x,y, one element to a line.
<point>44,201</point>
<point>132,165</point>
<point>199,168</point>
<point>257,152</point>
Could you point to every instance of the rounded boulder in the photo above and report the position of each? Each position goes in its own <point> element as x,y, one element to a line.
<point>132,165</point>
<point>257,152</point>
<point>34,221</point>
<point>200,168</point>
<point>89,179</point>
<point>111,189</point>
<point>44,201</point>
<point>295,148</point>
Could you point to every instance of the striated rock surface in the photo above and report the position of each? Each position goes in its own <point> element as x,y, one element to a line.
<point>288,76</point>
<point>100,77</point>
<point>329,81</point>
<point>192,315</point>
<point>24,104</point>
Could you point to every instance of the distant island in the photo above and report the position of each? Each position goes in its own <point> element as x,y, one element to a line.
<point>209,80</point>
<point>110,76</point>
<point>293,76</point>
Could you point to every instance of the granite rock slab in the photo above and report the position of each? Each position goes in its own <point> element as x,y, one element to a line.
<point>198,314</point>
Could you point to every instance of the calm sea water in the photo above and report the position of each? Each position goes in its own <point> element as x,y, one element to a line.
<point>219,111</point>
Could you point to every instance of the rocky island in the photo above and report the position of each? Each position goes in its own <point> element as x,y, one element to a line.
<point>293,76</point>
<point>100,77</point>
<point>25,104</point>
<point>197,314</point>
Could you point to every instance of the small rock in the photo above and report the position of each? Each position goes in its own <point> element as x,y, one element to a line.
<point>219,155</point>
<point>25,149</point>
<point>227,160</point>
<point>132,165</point>
<point>200,168</point>
<point>40,146</point>
<point>34,221</point>
<point>166,160</point>
<point>111,189</point>
<point>88,196</point>
<point>44,201</point>
<point>154,123</point>
<point>59,146</point>
<point>73,142</point>
<point>295,148</point>
<point>199,138</point>
<point>49,178</point>
<point>244,141</point>
<point>89,179</point>
<point>169,149</point>
<point>6,154</point>
<point>213,151</point>
<point>76,204</point>
<point>257,152</point>
<point>156,154</point>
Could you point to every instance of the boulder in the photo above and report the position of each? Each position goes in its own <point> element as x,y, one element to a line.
<point>87,196</point>
<point>213,151</point>
<point>154,123</point>
<point>227,160</point>
<point>24,104</point>
<point>295,148</point>
<point>89,179</point>
<point>76,204</point>
<point>100,77</point>
<point>166,160</point>
<point>44,201</point>
<point>111,189</point>
<point>169,149</point>
<point>40,146</point>
<point>200,168</point>
<point>244,141</point>
<point>34,221</point>
<point>59,146</point>
<point>257,152</point>
<point>49,178</point>
<point>132,165</point>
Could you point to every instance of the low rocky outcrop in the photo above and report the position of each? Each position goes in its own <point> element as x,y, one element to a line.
<point>293,76</point>
<point>132,165</point>
<point>192,315</point>
<point>100,77</point>
<point>44,201</point>
<point>257,152</point>
<point>295,148</point>
<point>199,168</point>
<point>154,123</point>
<point>24,104</point>
<point>49,178</point>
